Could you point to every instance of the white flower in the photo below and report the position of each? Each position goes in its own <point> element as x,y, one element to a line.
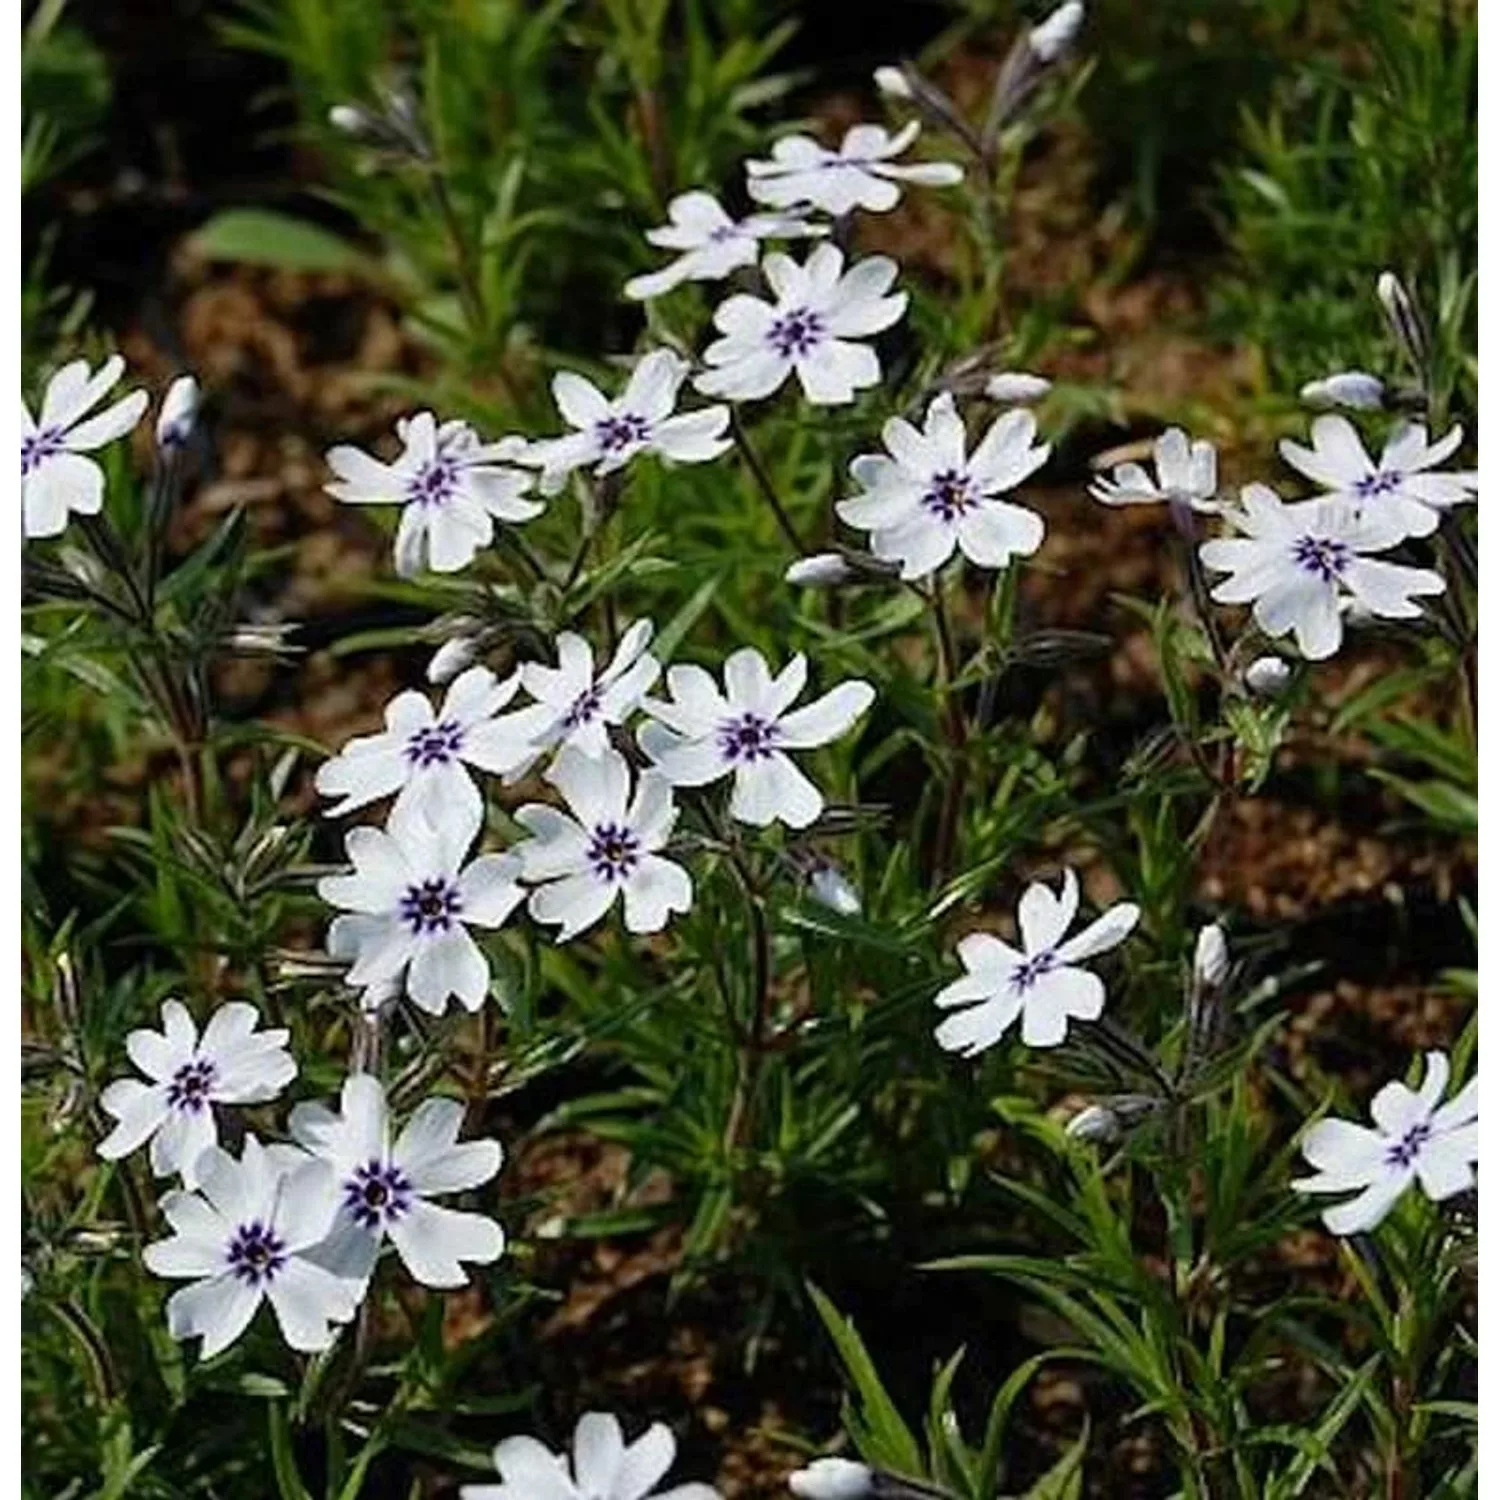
<point>820,570</point>
<point>1040,984</point>
<point>1267,676</point>
<point>453,487</point>
<point>422,754</point>
<point>1211,956</point>
<point>819,310</point>
<point>606,846</point>
<point>576,707</point>
<point>712,244</point>
<point>410,902</point>
<point>55,476</point>
<point>1016,385</point>
<point>1352,388</point>
<point>862,173</point>
<point>1398,485</point>
<point>1415,1137</point>
<point>931,496</point>
<point>746,730</point>
<point>603,1468</point>
<point>179,411</point>
<point>1297,562</point>
<point>832,1479</point>
<point>231,1063</point>
<point>1186,474</point>
<point>1050,38</point>
<point>640,420</point>
<point>382,1187</point>
<point>243,1238</point>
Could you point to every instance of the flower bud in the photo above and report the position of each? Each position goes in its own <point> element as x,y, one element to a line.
<point>1049,40</point>
<point>1267,676</point>
<point>1356,389</point>
<point>179,411</point>
<point>831,888</point>
<point>1016,385</point>
<point>832,1479</point>
<point>451,658</point>
<point>823,570</point>
<point>1096,1123</point>
<point>892,83</point>
<point>1401,313</point>
<point>352,120</point>
<point>1211,957</point>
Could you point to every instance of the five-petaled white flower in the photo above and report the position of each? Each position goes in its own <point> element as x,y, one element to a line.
<point>605,846</point>
<point>1187,474</point>
<point>711,243</point>
<point>862,173</point>
<point>1399,485</point>
<point>453,487</point>
<point>410,901</point>
<point>930,496</point>
<point>382,1187</point>
<point>820,309</point>
<point>1415,1138</point>
<point>604,1467</point>
<point>55,475</point>
<point>231,1063</point>
<point>243,1238</point>
<point>1042,984</point>
<point>576,707</point>
<point>422,754</point>
<point>1297,563</point>
<point>745,731</point>
<point>639,420</point>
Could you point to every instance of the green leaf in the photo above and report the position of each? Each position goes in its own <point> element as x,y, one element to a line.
<point>263,237</point>
<point>283,1462</point>
<point>1064,1480</point>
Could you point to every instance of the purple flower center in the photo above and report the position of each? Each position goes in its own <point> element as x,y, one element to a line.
<point>1404,1152</point>
<point>430,906</point>
<point>725,232</point>
<point>39,446</point>
<point>950,494</point>
<point>583,709</point>
<point>188,1089</point>
<point>256,1253</point>
<point>434,483</point>
<point>436,745</point>
<point>614,851</point>
<point>1381,482</point>
<point>1323,556</point>
<point>378,1193</point>
<point>1026,973</point>
<point>621,430</point>
<point>748,737</point>
<point>797,333</point>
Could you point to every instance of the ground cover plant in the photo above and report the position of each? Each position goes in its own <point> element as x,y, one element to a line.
<point>742,772</point>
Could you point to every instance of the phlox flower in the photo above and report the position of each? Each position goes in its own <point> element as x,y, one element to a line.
<point>605,847</point>
<point>231,1063</point>
<point>611,433</point>
<point>862,173</point>
<point>1296,564</point>
<point>931,496</point>
<point>603,1467</point>
<point>1041,983</point>
<point>452,486</point>
<point>55,476</point>
<point>1416,1139</point>
<point>410,901</point>
<point>702,734</point>
<point>711,244</point>
<point>809,329</point>
<point>422,754</point>
<point>383,1186</point>
<point>243,1238</point>
<point>1399,485</point>
<point>1187,474</point>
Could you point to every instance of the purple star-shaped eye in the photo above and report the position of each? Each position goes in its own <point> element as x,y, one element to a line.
<point>621,430</point>
<point>583,709</point>
<point>1404,1152</point>
<point>748,737</point>
<point>797,333</point>
<point>430,906</point>
<point>949,494</point>
<point>189,1085</point>
<point>614,851</point>
<point>39,446</point>
<point>256,1253</point>
<point>436,745</point>
<point>379,1192</point>
<point>1324,557</point>
<point>434,483</point>
<point>1026,974</point>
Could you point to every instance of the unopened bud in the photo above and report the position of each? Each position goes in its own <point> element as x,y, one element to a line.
<point>1267,676</point>
<point>1356,389</point>
<point>352,120</point>
<point>261,640</point>
<point>1095,1123</point>
<point>1211,957</point>
<point>1016,385</point>
<point>892,83</point>
<point>823,570</point>
<point>832,889</point>
<point>1049,40</point>
<point>451,658</point>
<point>179,411</point>
<point>1401,314</point>
<point>832,1479</point>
